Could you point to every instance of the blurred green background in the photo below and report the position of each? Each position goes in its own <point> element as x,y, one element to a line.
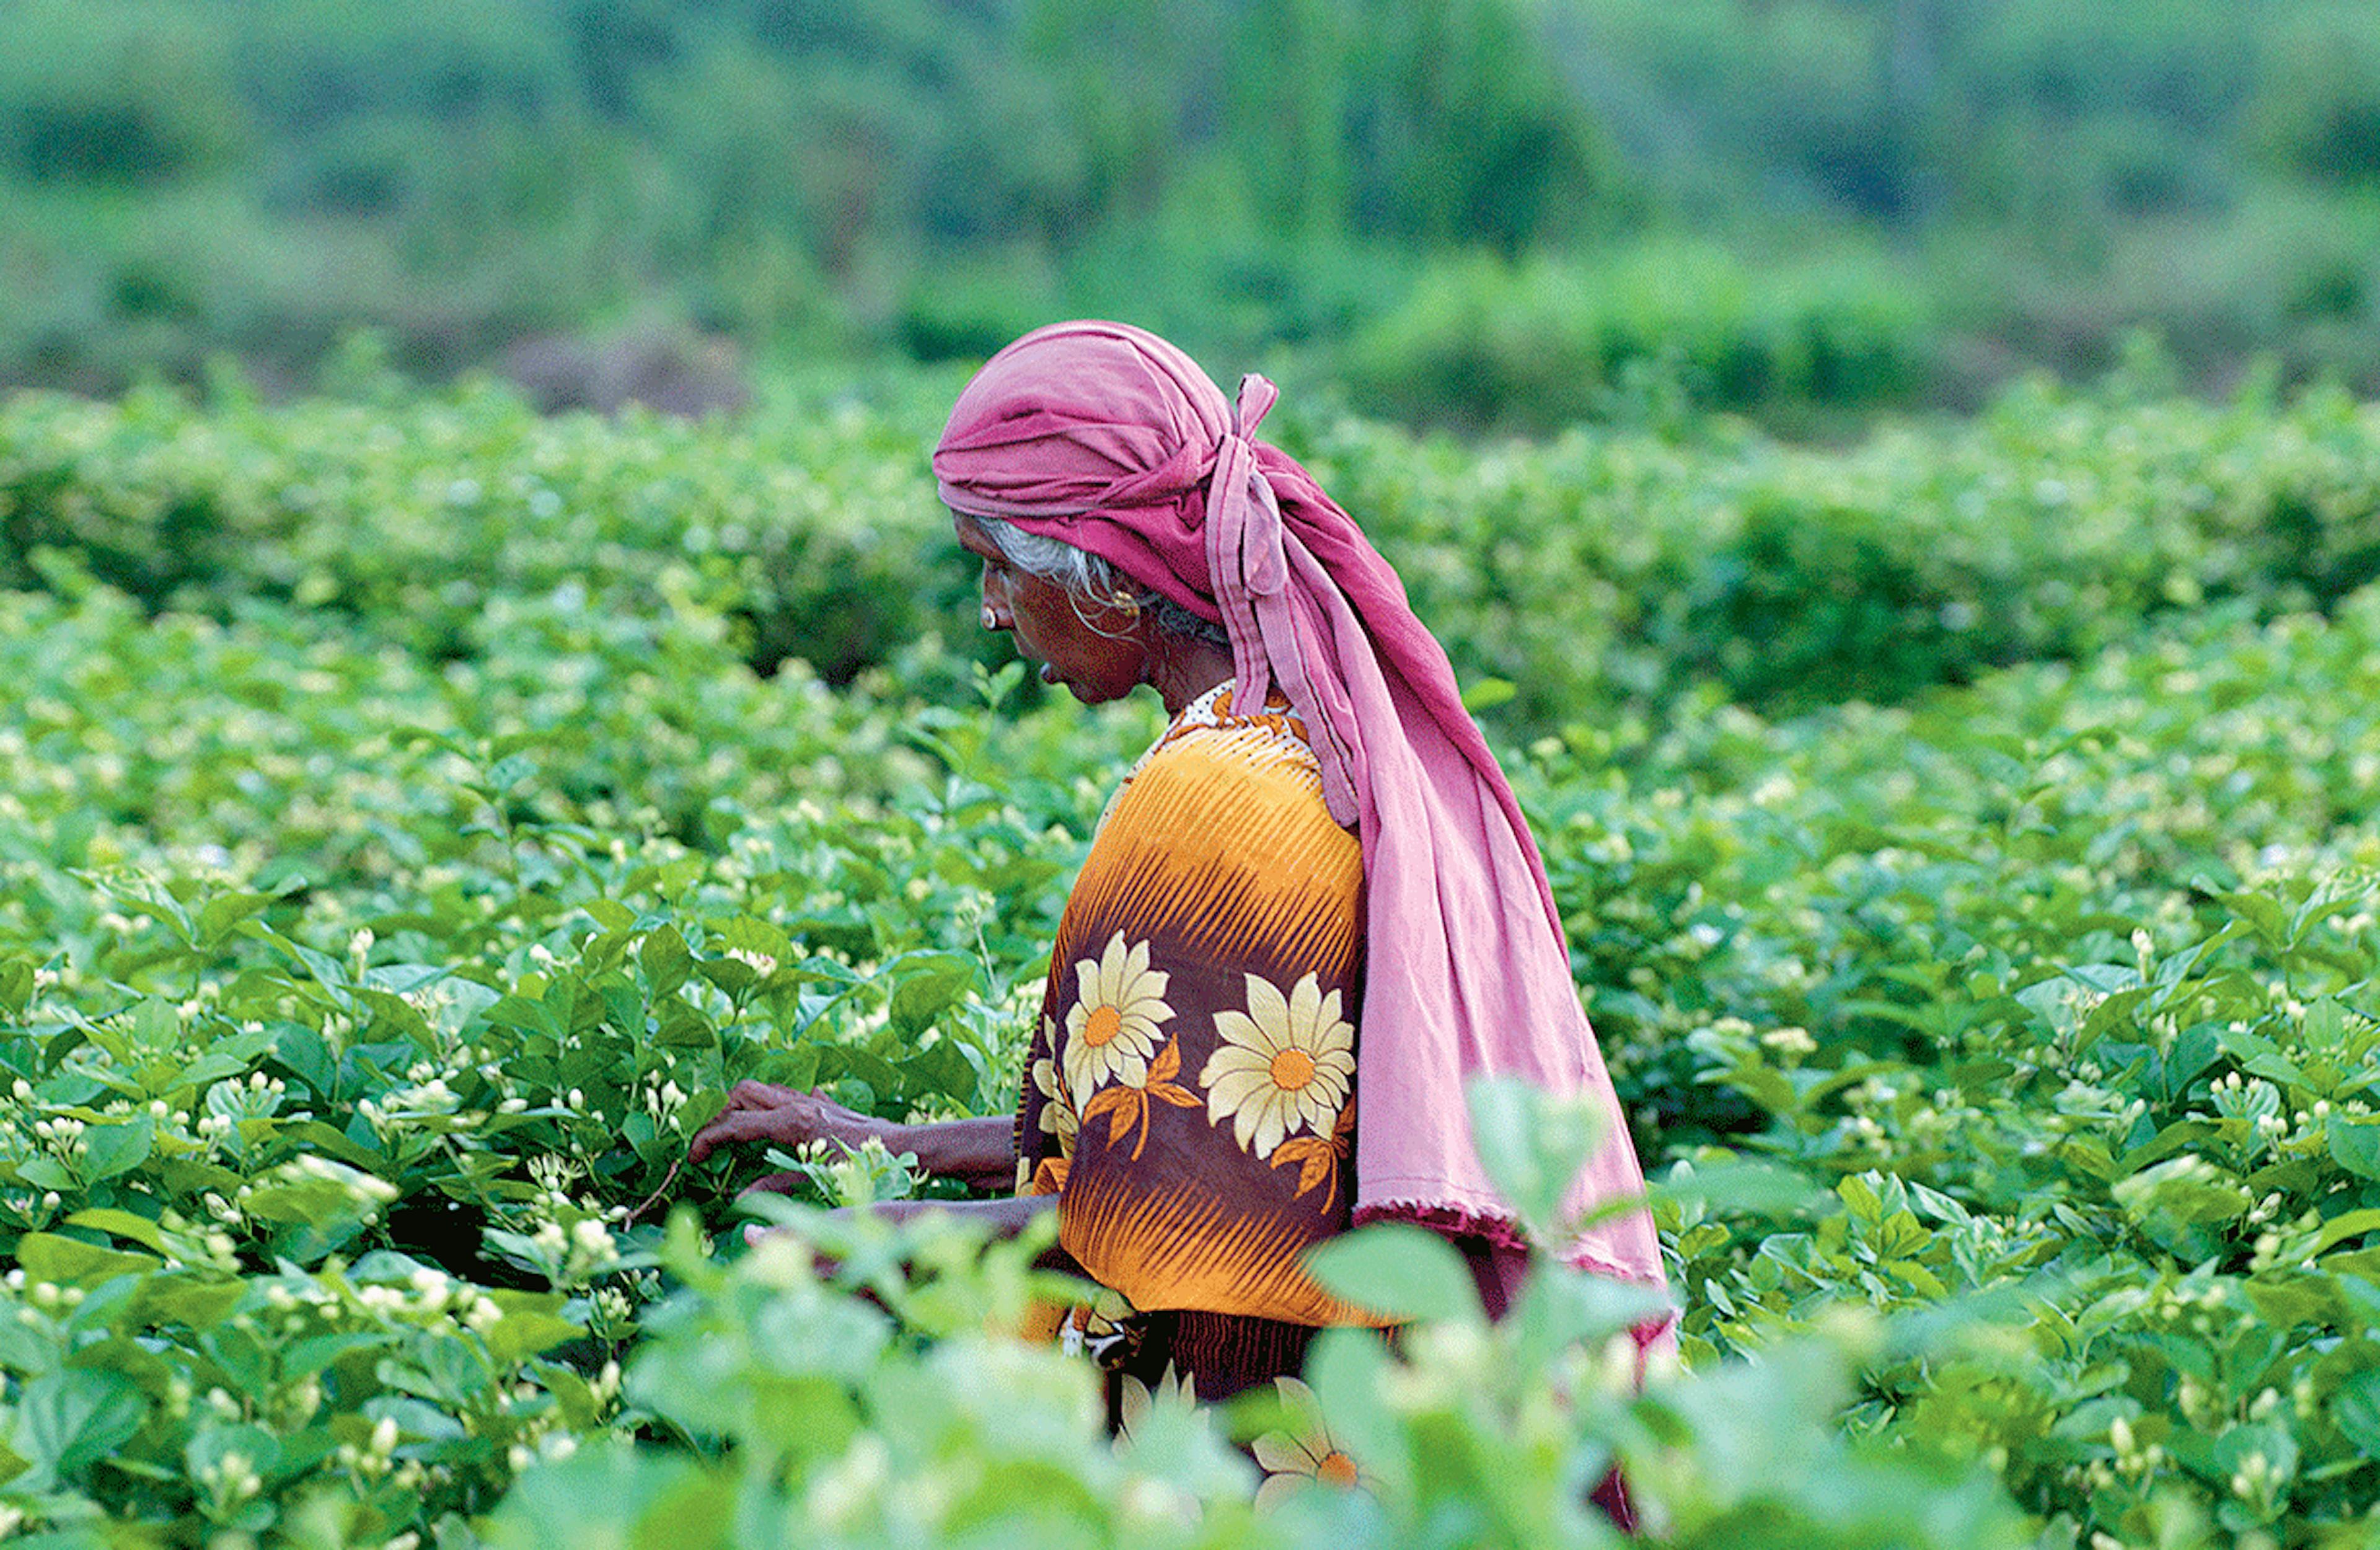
<point>1478,214</point>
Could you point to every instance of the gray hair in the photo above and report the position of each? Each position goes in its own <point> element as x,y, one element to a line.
<point>1088,577</point>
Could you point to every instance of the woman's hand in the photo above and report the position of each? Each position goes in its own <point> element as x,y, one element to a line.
<point>981,1153</point>
<point>786,1117</point>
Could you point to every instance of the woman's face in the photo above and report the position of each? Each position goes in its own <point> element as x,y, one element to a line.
<point>1099,664</point>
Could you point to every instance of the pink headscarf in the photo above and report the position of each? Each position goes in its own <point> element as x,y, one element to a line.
<point>1110,439</point>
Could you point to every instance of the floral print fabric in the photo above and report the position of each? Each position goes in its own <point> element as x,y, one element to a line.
<point>1192,1091</point>
<point>1282,1066</point>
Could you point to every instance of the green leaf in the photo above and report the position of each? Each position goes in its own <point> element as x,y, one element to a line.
<point>1860,1198</point>
<point>523,1334</point>
<point>615,1497</point>
<point>1397,1270</point>
<point>2186,1190</point>
<point>943,1070</point>
<point>527,1016</point>
<point>2346,1225</point>
<point>16,985</point>
<point>666,961</point>
<point>610,914</point>
<point>46,1256</point>
<point>156,1024</point>
<point>316,1352</point>
<point>222,914</point>
<point>2356,1408</point>
<point>731,975</point>
<point>931,985</point>
<point>1532,1146</point>
<point>307,1055</point>
<point>191,1298</point>
<point>846,1060</point>
<point>2268,917</point>
<point>211,1444</point>
<point>123,1224</point>
<point>2286,1301</point>
<point>2355,1145</point>
<point>1737,1186</point>
<point>117,1149</point>
<point>2325,1028</point>
<point>2166,1143</point>
<point>2279,1448</point>
<point>68,1419</point>
<point>47,1173</point>
<point>1560,1307</point>
<point>1487,694</point>
<point>510,772</point>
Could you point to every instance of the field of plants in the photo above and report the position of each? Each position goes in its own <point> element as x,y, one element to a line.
<point>414,815</point>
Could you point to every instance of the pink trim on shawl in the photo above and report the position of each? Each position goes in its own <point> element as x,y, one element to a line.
<point>1109,438</point>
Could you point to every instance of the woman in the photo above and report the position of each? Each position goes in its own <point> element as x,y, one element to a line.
<point>1315,894</point>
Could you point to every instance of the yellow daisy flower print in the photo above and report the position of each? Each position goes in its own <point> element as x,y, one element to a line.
<point>1111,1027</point>
<point>1058,1116</point>
<point>1282,1066</point>
<point>1135,1402</point>
<point>1306,1458</point>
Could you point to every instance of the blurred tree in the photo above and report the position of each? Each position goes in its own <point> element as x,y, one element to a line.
<point>127,94</point>
<point>1290,119</point>
<point>615,43</point>
<point>1134,82</point>
<point>309,64</point>
<point>1464,133</point>
<point>179,176</point>
<point>2317,103</point>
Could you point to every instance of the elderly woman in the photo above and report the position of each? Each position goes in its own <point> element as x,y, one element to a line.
<point>1311,912</point>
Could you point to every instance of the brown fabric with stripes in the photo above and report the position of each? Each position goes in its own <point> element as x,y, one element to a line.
<point>1191,1096</point>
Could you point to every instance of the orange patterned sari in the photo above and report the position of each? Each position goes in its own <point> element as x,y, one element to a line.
<point>1191,1097</point>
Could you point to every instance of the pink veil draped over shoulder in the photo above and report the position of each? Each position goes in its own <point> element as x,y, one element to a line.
<point>1108,438</point>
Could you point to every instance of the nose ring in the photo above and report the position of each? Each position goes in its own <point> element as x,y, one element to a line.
<point>990,620</point>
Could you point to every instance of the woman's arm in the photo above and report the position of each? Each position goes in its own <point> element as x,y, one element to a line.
<point>981,1153</point>
<point>1006,1217</point>
<point>977,1152</point>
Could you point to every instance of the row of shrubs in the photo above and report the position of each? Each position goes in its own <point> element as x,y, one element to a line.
<point>1605,575</point>
<point>1644,332</point>
<point>355,1010</point>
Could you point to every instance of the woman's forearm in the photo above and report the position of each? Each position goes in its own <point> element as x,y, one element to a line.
<point>977,1152</point>
<point>1007,1215</point>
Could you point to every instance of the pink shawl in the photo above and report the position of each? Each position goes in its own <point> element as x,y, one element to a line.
<point>1110,439</point>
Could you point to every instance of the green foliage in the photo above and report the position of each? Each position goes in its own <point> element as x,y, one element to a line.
<point>1548,342</point>
<point>812,538</point>
<point>184,180</point>
<point>2064,988</point>
<point>1607,577</point>
<point>2317,109</point>
<point>120,96</point>
<point>2004,1058</point>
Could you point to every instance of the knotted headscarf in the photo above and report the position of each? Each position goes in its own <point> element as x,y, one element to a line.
<point>1108,438</point>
